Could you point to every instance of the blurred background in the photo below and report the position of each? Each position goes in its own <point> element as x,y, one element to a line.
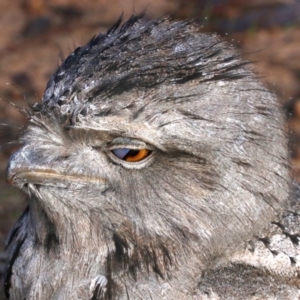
<point>36,33</point>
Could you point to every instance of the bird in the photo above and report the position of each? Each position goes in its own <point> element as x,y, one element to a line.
<point>155,167</point>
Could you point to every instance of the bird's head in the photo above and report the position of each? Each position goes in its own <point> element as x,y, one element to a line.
<point>153,135</point>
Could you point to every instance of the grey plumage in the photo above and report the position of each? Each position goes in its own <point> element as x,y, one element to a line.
<point>205,214</point>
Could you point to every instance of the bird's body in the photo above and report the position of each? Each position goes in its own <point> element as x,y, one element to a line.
<point>155,169</point>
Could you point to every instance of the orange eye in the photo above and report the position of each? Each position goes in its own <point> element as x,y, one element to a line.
<point>131,155</point>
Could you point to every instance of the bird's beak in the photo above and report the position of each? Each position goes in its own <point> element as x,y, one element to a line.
<point>22,169</point>
<point>44,176</point>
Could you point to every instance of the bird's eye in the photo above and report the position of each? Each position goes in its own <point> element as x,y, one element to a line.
<point>131,155</point>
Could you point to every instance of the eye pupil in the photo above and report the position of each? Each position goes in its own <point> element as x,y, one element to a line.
<point>131,155</point>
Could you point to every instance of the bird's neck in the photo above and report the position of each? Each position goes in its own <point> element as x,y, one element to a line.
<point>120,245</point>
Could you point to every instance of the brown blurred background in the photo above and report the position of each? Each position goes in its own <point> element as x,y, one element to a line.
<point>34,34</point>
